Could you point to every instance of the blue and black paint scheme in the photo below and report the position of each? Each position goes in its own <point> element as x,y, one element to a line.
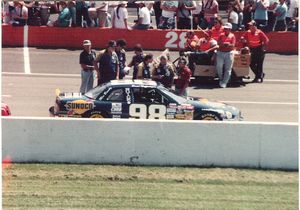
<point>144,99</point>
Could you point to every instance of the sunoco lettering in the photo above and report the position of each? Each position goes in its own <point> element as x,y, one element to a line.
<point>79,106</point>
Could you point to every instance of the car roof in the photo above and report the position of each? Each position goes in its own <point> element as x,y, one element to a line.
<point>128,82</point>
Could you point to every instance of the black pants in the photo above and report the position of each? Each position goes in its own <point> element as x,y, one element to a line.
<point>257,61</point>
<point>184,23</point>
<point>157,12</point>
<point>280,25</point>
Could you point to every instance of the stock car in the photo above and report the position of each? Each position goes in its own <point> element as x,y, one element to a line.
<point>140,99</point>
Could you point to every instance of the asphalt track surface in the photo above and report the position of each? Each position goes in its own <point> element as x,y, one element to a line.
<point>32,93</point>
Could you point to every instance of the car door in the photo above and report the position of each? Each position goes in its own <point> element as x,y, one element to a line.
<point>116,102</point>
<point>148,103</point>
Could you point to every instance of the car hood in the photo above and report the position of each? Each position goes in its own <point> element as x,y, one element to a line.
<point>217,106</point>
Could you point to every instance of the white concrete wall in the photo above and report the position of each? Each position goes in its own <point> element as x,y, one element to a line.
<point>242,144</point>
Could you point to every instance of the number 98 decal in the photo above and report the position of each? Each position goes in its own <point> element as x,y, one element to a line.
<point>139,111</point>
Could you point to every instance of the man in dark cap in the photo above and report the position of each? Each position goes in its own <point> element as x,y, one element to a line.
<point>107,64</point>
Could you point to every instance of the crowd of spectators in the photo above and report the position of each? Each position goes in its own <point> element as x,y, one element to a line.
<point>270,15</point>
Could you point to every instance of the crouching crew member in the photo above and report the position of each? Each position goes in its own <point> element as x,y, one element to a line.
<point>108,68</point>
<point>136,59</point>
<point>256,40</point>
<point>163,73</point>
<point>143,69</point>
<point>184,77</point>
<point>206,46</point>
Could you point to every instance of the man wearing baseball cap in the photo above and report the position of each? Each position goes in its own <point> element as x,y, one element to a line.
<point>107,64</point>
<point>225,55</point>
<point>86,60</point>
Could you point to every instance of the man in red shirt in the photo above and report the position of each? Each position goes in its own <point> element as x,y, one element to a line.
<point>256,40</point>
<point>184,76</point>
<point>191,45</point>
<point>225,55</point>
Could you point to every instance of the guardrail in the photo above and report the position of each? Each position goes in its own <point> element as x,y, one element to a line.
<point>42,36</point>
<point>151,142</point>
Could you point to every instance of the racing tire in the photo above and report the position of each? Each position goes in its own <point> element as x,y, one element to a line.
<point>51,111</point>
<point>96,114</point>
<point>211,116</point>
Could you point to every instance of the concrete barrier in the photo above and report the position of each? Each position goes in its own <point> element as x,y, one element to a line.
<point>150,142</point>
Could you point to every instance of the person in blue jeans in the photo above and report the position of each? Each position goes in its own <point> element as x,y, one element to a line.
<point>86,61</point>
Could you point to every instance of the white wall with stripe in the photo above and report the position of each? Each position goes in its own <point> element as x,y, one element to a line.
<point>150,142</point>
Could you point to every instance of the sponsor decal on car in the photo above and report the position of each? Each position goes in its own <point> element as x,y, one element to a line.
<point>79,106</point>
<point>116,108</point>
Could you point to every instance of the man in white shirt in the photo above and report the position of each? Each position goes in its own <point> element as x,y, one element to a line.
<point>144,20</point>
<point>120,16</point>
<point>20,14</point>
<point>291,11</point>
<point>167,19</point>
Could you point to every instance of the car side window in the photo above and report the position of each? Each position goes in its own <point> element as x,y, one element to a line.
<point>116,95</point>
<point>147,95</point>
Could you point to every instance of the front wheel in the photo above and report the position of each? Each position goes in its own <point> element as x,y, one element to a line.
<point>95,114</point>
<point>209,116</point>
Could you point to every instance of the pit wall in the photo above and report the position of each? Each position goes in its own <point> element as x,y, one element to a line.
<point>150,142</point>
<point>42,36</point>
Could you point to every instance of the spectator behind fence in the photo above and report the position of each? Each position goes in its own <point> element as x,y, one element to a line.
<point>144,18</point>
<point>7,12</point>
<point>184,14</point>
<point>72,8</point>
<point>280,13</point>
<point>233,16</point>
<point>19,14</point>
<point>64,17</point>
<point>197,14</point>
<point>239,6</point>
<point>271,15</point>
<point>260,13</point>
<point>45,11</point>
<point>167,19</point>
<point>157,11</point>
<point>120,16</point>
<point>247,12</point>
<point>102,9</point>
<point>291,13</point>
<point>82,15</point>
<point>210,11</point>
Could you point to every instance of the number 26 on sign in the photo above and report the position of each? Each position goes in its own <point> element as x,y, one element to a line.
<point>175,40</point>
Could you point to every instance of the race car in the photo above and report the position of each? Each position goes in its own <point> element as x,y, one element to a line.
<point>140,99</point>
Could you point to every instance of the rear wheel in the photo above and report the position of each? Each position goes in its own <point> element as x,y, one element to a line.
<point>209,116</point>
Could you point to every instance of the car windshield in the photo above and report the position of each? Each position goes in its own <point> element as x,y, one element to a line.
<point>94,93</point>
<point>178,99</point>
